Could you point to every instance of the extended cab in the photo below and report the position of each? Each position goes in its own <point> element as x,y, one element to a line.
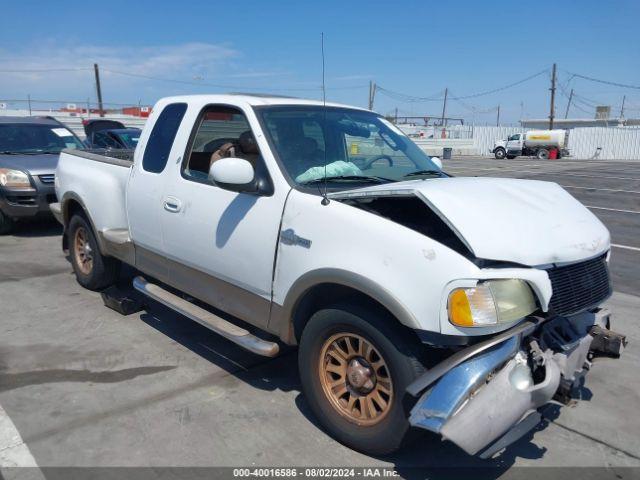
<point>456,305</point>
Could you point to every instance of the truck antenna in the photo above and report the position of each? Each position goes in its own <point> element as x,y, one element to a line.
<point>325,198</point>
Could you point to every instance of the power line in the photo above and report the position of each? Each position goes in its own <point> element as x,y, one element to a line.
<point>77,102</point>
<point>606,82</point>
<point>46,70</point>
<point>473,108</point>
<point>188,82</point>
<point>172,80</point>
<point>438,97</point>
<point>505,87</point>
<point>573,97</point>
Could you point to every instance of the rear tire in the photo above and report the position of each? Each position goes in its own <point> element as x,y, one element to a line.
<point>357,390</point>
<point>93,270</point>
<point>500,153</point>
<point>6,224</point>
<point>542,154</point>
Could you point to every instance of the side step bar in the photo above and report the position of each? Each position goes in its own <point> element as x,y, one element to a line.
<point>228,330</point>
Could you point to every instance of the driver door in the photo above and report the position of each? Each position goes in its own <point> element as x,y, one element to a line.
<point>514,143</point>
<point>221,244</point>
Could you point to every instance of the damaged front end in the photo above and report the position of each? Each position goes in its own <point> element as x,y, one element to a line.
<point>487,396</point>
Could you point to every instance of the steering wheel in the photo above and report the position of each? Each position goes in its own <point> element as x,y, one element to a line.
<point>371,161</point>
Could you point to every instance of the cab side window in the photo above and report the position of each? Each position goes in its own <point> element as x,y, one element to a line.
<point>156,153</point>
<point>221,132</point>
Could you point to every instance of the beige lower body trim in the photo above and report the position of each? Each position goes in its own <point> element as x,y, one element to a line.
<point>236,301</point>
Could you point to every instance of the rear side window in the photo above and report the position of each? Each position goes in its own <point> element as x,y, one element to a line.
<point>156,153</point>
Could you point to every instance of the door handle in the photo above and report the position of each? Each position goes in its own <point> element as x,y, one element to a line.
<point>172,204</point>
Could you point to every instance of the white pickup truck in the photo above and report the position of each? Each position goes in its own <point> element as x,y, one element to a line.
<point>418,300</point>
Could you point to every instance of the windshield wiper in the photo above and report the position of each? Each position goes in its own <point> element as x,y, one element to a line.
<point>7,152</point>
<point>423,172</point>
<point>348,178</point>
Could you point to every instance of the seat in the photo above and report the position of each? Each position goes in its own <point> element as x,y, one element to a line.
<point>249,147</point>
<point>246,147</point>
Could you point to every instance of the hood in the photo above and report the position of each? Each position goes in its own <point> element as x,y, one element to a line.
<point>523,221</point>
<point>32,164</point>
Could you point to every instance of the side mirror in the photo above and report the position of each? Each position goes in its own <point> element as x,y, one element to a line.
<point>437,161</point>
<point>235,174</point>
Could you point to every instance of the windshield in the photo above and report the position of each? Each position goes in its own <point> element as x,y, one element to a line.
<point>129,137</point>
<point>29,138</point>
<point>359,146</point>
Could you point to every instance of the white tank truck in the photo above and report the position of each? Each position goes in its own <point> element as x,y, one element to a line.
<point>534,143</point>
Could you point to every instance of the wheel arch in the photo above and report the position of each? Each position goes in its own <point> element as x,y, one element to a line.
<point>324,287</point>
<point>72,204</point>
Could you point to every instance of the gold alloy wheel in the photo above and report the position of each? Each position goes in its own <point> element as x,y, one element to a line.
<point>83,251</point>
<point>355,378</point>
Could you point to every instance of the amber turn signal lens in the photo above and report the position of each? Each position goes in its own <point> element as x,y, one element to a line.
<point>459,309</point>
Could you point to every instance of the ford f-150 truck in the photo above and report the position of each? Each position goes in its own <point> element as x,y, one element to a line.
<point>455,305</point>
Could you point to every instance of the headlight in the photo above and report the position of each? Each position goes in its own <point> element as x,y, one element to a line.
<point>490,302</point>
<point>14,179</point>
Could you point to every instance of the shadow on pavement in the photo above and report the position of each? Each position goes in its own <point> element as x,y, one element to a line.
<point>47,227</point>
<point>427,451</point>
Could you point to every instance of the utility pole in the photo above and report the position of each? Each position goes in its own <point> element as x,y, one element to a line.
<point>372,93</point>
<point>624,97</point>
<point>566,113</point>
<point>98,89</point>
<point>498,119</point>
<point>444,106</point>
<point>553,97</point>
<point>396,115</point>
<point>29,100</point>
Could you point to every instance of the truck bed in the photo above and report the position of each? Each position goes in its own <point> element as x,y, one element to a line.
<point>122,158</point>
<point>98,179</point>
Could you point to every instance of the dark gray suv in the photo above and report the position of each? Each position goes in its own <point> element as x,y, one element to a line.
<point>29,151</point>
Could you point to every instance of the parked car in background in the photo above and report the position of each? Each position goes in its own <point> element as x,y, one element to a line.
<point>110,134</point>
<point>456,305</point>
<point>29,151</point>
<point>534,143</point>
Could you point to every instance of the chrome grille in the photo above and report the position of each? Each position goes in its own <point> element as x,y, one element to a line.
<point>579,286</point>
<point>47,178</point>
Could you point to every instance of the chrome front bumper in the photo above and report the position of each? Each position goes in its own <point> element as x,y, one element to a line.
<point>485,397</point>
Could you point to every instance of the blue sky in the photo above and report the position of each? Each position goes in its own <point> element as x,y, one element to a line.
<point>415,48</point>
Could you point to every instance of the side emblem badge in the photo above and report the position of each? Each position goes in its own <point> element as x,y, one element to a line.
<point>289,237</point>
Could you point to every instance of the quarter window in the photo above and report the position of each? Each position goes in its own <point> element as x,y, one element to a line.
<point>156,153</point>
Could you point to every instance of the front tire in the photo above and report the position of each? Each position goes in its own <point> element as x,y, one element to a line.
<point>355,365</point>
<point>500,153</point>
<point>6,224</point>
<point>93,270</point>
